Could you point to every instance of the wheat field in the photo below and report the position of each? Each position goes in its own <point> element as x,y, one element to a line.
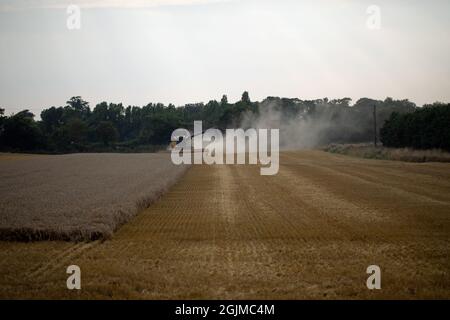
<point>78,196</point>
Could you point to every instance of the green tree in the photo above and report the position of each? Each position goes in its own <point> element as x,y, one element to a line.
<point>224,100</point>
<point>246,98</point>
<point>425,128</point>
<point>106,132</point>
<point>77,103</point>
<point>76,107</point>
<point>20,131</point>
<point>77,131</point>
<point>52,118</point>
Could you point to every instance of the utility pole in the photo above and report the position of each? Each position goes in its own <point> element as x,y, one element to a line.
<point>375,134</point>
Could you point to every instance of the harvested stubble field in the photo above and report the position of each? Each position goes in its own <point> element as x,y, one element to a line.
<point>78,196</point>
<point>228,232</point>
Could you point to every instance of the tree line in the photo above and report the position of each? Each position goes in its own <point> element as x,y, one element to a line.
<point>425,128</point>
<point>75,127</point>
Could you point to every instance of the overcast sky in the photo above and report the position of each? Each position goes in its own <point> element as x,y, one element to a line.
<point>176,51</point>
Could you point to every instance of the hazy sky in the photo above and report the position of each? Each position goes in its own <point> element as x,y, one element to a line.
<point>176,51</point>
